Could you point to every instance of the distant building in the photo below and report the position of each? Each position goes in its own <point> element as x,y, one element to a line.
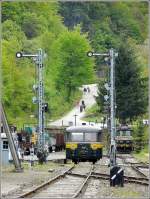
<point>6,156</point>
<point>5,151</point>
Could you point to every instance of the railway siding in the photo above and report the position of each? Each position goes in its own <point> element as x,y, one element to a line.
<point>87,181</point>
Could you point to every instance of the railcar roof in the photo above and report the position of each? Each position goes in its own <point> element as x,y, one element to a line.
<point>124,138</point>
<point>83,129</point>
<point>124,128</point>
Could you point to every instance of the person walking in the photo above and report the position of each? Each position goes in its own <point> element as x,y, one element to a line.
<point>88,89</point>
<point>83,104</point>
<point>22,154</point>
<point>84,90</point>
<point>81,108</point>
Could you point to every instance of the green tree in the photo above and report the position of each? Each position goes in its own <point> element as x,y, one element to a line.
<point>126,18</point>
<point>28,27</point>
<point>17,93</point>
<point>131,88</point>
<point>75,68</point>
<point>102,104</point>
<point>107,23</point>
<point>38,25</point>
<point>33,25</point>
<point>139,136</point>
<point>11,30</point>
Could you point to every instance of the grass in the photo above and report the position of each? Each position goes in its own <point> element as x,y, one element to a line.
<point>124,193</point>
<point>59,107</point>
<point>40,167</point>
<point>37,167</point>
<point>92,114</point>
<point>143,155</point>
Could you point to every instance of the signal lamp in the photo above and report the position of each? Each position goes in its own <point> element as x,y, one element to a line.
<point>18,54</point>
<point>90,54</point>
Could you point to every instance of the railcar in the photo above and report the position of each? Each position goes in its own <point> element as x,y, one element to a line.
<point>56,142</point>
<point>124,139</point>
<point>83,143</point>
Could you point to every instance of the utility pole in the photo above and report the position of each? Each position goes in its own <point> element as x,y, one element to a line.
<point>41,140</point>
<point>75,119</point>
<point>110,56</point>
<point>112,109</point>
<point>115,171</point>
<point>39,99</point>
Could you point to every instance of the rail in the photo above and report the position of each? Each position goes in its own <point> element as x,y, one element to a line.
<point>83,184</point>
<point>45,184</point>
<point>127,179</point>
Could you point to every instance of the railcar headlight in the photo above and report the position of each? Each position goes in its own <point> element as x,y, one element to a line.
<point>72,146</point>
<point>95,146</point>
<point>128,142</point>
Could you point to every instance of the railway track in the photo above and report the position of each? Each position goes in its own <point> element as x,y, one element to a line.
<point>127,179</point>
<point>137,167</point>
<point>44,185</point>
<point>61,186</point>
<point>76,180</point>
<point>139,172</point>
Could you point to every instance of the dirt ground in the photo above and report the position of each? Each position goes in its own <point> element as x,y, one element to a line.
<point>12,182</point>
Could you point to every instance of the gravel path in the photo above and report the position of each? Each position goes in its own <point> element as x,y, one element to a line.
<point>89,99</point>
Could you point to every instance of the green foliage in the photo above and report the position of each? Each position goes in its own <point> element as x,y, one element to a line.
<point>140,136</point>
<point>33,25</point>
<point>73,62</point>
<point>10,27</point>
<point>124,22</point>
<point>131,88</point>
<point>108,23</point>
<point>28,27</point>
<point>12,11</point>
<point>16,90</point>
<point>93,114</point>
<point>100,97</point>
<point>143,155</point>
<point>125,18</point>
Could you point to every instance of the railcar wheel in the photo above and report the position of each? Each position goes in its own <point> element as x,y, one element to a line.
<point>75,161</point>
<point>65,161</point>
<point>94,161</point>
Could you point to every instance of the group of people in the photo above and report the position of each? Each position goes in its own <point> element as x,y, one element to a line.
<point>86,89</point>
<point>82,104</point>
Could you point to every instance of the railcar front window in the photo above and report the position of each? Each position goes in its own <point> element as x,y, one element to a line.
<point>90,137</point>
<point>119,133</point>
<point>77,137</point>
<point>123,133</point>
<point>128,133</point>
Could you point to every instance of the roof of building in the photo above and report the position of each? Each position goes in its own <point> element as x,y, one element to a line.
<point>3,135</point>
